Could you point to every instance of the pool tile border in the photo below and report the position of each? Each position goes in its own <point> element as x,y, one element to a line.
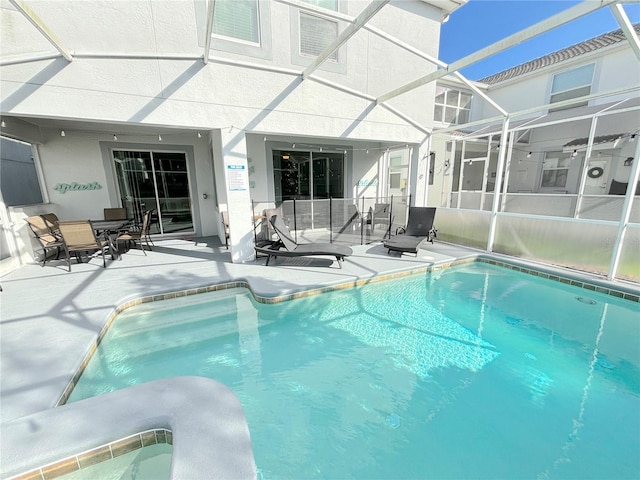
<point>593,286</point>
<point>532,270</point>
<point>98,455</point>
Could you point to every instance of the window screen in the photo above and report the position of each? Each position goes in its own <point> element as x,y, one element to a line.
<point>316,33</point>
<point>237,19</point>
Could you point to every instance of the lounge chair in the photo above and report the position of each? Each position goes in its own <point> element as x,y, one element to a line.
<point>78,236</point>
<point>45,234</point>
<point>419,229</point>
<point>287,246</point>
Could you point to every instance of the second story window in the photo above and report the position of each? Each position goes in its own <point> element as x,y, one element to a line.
<point>237,19</point>
<point>452,106</point>
<point>317,32</point>
<point>572,84</point>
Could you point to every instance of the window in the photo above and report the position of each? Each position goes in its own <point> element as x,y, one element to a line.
<point>316,33</point>
<point>237,19</point>
<point>18,174</point>
<point>555,170</point>
<point>572,84</point>
<point>452,106</point>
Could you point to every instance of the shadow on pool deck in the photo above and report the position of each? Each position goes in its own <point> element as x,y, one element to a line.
<point>50,317</point>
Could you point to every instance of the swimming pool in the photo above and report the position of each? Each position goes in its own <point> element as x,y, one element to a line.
<point>468,372</point>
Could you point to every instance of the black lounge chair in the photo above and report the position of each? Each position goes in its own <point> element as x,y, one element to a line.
<point>287,246</point>
<point>419,229</point>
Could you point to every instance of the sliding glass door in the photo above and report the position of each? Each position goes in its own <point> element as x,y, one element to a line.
<point>307,175</point>
<point>157,181</point>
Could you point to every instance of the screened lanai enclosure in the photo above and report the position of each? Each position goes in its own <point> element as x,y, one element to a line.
<point>563,189</point>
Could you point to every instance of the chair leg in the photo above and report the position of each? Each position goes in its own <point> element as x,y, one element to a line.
<point>68,254</point>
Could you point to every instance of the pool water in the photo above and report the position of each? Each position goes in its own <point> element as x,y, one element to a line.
<point>468,372</point>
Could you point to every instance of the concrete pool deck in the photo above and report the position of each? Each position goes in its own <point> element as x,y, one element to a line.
<point>51,318</point>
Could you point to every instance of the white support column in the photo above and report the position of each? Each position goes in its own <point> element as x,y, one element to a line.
<point>626,212</point>
<point>585,166</point>
<point>485,174</point>
<point>461,173</point>
<point>496,197</point>
<point>236,181</point>
<point>451,160</point>
<point>507,170</point>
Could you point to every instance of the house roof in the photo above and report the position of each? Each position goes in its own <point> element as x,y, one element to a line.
<point>559,56</point>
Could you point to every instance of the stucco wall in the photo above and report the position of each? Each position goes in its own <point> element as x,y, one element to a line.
<point>85,158</point>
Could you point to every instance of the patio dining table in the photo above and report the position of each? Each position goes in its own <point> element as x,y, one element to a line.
<point>109,229</point>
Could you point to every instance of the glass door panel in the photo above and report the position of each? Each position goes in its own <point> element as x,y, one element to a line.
<point>174,201</point>
<point>328,176</point>
<point>155,181</point>
<point>134,174</point>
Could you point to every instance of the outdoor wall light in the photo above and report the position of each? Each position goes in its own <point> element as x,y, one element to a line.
<point>115,137</point>
<point>205,196</point>
<point>529,155</point>
<point>62,134</point>
<point>159,138</point>
<point>575,153</point>
<point>3,124</point>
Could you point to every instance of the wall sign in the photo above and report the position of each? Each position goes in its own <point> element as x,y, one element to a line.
<point>368,183</point>
<point>74,187</point>
<point>236,177</point>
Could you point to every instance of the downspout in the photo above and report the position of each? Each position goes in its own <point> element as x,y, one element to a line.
<point>496,198</point>
<point>626,213</point>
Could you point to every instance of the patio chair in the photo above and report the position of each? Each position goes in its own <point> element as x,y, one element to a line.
<point>380,214</point>
<point>46,237</point>
<point>115,213</point>
<point>293,249</point>
<point>138,235</point>
<point>419,228</point>
<point>78,237</point>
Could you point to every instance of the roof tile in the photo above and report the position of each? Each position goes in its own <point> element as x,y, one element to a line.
<point>559,56</point>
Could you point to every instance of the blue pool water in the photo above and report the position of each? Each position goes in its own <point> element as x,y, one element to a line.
<point>469,372</point>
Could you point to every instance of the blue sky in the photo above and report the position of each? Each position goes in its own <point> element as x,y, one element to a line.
<point>483,22</point>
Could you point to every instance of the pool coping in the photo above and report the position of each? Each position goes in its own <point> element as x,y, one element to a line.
<point>191,408</point>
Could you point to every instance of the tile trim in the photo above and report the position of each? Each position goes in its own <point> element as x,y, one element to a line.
<point>98,455</point>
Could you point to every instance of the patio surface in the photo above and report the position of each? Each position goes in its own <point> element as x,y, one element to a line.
<point>51,317</point>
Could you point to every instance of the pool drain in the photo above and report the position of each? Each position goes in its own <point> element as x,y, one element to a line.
<point>586,300</point>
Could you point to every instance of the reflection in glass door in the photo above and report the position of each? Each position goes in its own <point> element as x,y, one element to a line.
<point>155,181</point>
<point>307,175</point>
